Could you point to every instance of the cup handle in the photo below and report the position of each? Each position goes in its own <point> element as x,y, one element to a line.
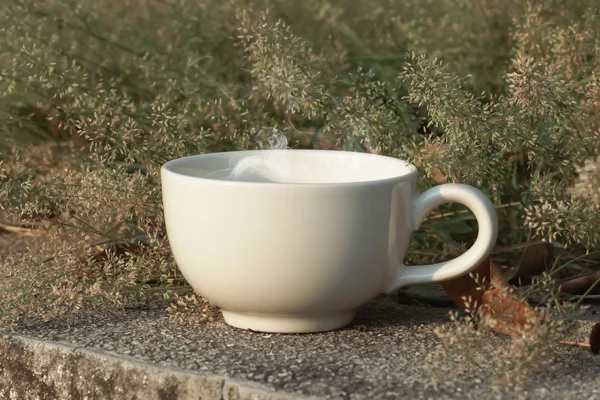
<point>487,220</point>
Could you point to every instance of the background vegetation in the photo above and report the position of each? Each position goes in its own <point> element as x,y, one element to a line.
<point>96,95</point>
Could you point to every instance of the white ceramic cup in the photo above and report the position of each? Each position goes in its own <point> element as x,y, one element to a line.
<point>302,250</point>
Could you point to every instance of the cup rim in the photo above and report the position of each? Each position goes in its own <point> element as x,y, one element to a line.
<point>411,171</point>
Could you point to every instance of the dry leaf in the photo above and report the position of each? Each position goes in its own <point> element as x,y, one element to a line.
<point>534,260</point>
<point>121,249</point>
<point>49,121</point>
<point>435,174</point>
<point>595,339</point>
<point>580,285</point>
<point>465,289</point>
<point>484,292</point>
<point>509,314</point>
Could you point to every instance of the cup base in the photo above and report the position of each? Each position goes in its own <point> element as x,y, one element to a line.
<point>282,323</point>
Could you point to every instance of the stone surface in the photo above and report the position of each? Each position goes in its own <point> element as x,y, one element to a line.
<point>34,369</point>
<point>382,355</point>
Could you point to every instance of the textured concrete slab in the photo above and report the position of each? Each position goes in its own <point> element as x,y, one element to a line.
<point>33,369</point>
<point>142,354</point>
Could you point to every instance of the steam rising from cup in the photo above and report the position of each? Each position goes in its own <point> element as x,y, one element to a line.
<point>273,165</point>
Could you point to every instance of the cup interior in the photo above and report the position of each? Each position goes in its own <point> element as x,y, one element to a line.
<point>291,166</point>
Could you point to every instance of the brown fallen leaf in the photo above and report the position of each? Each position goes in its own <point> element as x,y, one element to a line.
<point>580,285</point>
<point>121,249</point>
<point>485,293</point>
<point>595,339</point>
<point>437,175</point>
<point>535,259</point>
<point>51,122</point>
<point>509,314</point>
<point>466,289</point>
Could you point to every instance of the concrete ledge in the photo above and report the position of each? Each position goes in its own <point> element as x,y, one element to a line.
<point>142,354</point>
<point>36,369</point>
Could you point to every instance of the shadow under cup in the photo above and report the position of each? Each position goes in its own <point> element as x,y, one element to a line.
<point>295,242</point>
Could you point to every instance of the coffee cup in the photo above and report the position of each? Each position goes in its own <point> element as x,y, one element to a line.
<point>306,237</point>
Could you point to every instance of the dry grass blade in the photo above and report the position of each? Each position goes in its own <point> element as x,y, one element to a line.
<point>588,298</point>
<point>22,230</point>
<point>593,344</point>
<point>571,343</point>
